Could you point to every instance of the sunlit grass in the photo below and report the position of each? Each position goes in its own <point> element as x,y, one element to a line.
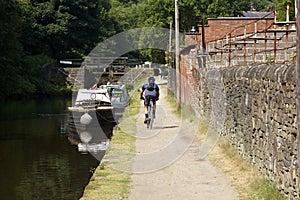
<point>264,189</point>
<point>171,99</point>
<point>108,182</point>
<point>134,104</point>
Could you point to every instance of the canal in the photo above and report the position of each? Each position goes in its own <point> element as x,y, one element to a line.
<point>36,159</point>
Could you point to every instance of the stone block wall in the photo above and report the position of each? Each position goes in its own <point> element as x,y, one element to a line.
<point>261,119</point>
<point>260,93</point>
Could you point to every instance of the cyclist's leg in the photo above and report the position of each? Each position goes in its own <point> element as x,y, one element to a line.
<point>146,103</point>
<point>154,105</point>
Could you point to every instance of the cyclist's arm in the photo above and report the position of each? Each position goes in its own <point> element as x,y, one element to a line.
<point>142,92</point>
<point>157,92</point>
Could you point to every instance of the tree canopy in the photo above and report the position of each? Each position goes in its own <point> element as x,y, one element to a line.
<point>36,32</point>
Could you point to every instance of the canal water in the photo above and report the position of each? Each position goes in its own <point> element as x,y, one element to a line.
<point>36,159</point>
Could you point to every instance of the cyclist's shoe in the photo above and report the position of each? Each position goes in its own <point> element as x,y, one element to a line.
<point>145,121</point>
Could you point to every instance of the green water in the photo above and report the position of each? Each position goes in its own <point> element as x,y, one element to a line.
<point>36,159</point>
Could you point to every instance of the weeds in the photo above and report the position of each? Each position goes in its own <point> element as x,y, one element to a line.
<point>264,189</point>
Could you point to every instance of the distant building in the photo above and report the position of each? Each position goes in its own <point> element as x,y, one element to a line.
<point>255,14</point>
<point>218,28</point>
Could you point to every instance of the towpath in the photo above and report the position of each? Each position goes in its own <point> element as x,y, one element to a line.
<point>167,165</point>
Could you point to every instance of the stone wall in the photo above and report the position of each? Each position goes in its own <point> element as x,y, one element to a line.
<point>261,119</point>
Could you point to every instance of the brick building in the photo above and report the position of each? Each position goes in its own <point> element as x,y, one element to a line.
<point>218,28</point>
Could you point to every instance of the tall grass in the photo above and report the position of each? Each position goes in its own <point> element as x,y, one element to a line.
<point>171,99</point>
<point>264,190</point>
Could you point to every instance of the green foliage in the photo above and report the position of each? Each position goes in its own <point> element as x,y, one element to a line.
<point>10,47</point>
<point>124,14</point>
<point>31,69</point>
<point>264,189</point>
<point>281,6</point>
<point>293,56</point>
<point>155,55</point>
<point>38,31</point>
<point>156,13</point>
<point>56,27</point>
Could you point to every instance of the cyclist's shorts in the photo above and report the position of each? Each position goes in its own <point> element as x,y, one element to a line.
<point>149,98</point>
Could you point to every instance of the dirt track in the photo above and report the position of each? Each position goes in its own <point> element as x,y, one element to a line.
<point>165,171</point>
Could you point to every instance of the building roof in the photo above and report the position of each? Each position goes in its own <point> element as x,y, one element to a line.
<point>255,14</point>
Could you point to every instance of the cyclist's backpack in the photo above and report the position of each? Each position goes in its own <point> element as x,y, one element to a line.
<point>150,86</point>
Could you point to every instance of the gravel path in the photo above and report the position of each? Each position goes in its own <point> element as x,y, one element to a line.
<point>166,165</point>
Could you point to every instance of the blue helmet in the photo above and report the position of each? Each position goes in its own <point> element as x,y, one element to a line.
<point>151,79</point>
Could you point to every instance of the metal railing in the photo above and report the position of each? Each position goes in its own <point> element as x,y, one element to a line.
<point>276,43</point>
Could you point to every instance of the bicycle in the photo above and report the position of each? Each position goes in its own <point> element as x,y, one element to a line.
<point>150,119</point>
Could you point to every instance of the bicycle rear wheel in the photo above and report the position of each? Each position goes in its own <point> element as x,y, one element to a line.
<point>151,123</point>
<point>148,123</point>
<point>151,116</point>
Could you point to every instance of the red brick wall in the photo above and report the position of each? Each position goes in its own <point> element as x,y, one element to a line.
<point>218,28</point>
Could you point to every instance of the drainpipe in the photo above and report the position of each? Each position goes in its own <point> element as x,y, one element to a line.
<point>296,5</point>
<point>203,45</point>
<point>177,57</point>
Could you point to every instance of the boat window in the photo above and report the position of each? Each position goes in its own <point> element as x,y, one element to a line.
<point>117,96</point>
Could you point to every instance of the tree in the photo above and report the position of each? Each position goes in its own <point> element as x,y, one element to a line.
<point>125,14</point>
<point>281,6</point>
<point>10,48</point>
<point>56,27</point>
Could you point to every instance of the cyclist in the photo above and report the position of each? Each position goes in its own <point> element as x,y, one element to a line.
<point>151,91</point>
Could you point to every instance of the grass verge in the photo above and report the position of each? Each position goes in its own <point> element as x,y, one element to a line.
<point>108,182</point>
<point>171,99</point>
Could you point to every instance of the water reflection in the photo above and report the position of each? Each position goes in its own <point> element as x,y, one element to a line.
<point>37,162</point>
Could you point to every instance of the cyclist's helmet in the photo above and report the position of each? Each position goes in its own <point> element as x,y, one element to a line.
<point>151,79</point>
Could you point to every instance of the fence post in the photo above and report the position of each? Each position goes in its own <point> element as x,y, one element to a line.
<point>229,50</point>
<point>275,46</point>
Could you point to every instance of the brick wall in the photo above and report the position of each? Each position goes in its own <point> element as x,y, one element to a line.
<point>218,28</point>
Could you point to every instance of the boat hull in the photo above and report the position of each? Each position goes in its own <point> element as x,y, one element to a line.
<point>97,129</point>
